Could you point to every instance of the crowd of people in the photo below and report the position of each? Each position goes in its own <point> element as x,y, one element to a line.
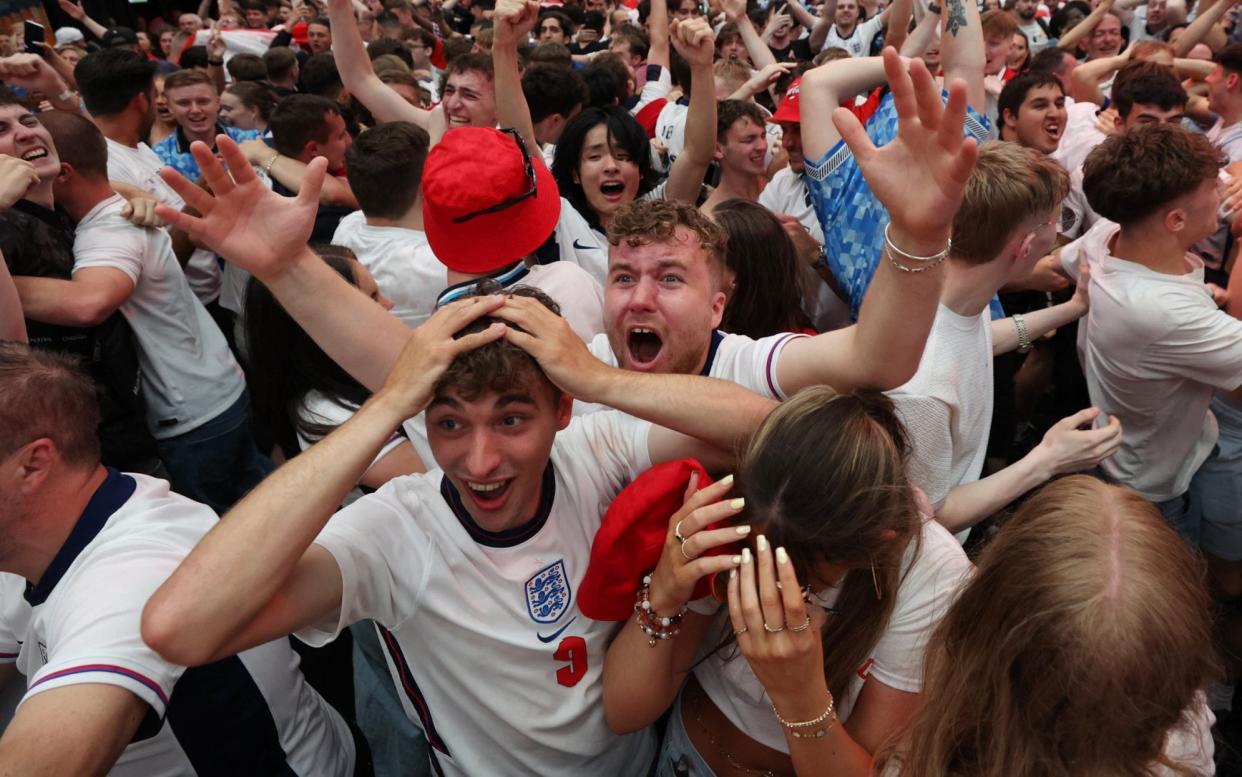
<point>738,388</point>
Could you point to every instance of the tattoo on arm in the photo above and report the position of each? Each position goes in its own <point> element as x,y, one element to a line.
<point>957,17</point>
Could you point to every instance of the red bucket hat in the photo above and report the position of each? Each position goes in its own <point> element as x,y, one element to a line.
<point>787,111</point>
<point>631,538</point>
<point>488,201</point>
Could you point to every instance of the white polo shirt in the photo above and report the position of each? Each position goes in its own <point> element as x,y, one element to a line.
<point>491,656</point>
<point>252,713</point>
<point>405,269</point>
<point>857,43</point>
<point>189,376</point>
<point>1154,347</point>
<point>140,167</point>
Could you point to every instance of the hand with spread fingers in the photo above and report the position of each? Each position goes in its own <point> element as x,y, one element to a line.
<point>777,633</point>
<point>242,220</point>
<point>560,352</point>
<point>432,347</point>
<point>684,560</point>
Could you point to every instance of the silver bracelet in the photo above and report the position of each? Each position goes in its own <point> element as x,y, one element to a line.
<point>893,249</point>
<point>888,249</point>
<point>1024,336</point>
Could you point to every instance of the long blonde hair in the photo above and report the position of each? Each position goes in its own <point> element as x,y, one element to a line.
<point>1075,649</point>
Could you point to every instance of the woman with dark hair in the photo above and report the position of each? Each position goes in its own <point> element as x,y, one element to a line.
<point>1081,647</point>
<point>603,157</point>
<point>247,105</point>
<point>1019,57</point>
<point>825,494</point>
<point>298,390</point>
<point>766,291</point>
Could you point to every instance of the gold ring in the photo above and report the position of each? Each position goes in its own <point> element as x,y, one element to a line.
<point>771,630</point>
<point>677,533</point>
<point>684,554</point>
<point>741,631</point>
<point>803,627</point>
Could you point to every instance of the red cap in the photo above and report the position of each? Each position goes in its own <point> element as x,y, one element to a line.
<point>787,111</point>
<point>631,538</point>
<point>298,32</point>
<point>479,211</point>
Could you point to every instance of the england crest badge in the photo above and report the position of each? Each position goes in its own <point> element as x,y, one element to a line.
<point>548,593</point>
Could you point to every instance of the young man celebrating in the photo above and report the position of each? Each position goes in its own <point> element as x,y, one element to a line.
<point>197,407</point>
<point>741,148</point>
<point>846,31</point>
<point>1032,111</point>
<point>195,105</point>
<point>470,566</point>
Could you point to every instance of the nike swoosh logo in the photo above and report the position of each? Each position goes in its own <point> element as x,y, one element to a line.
<point>586,247</point>
<point>556,633</point>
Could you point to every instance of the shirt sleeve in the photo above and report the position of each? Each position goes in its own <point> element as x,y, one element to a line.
<point>113,246</point>
<point>752,363</point>
<point>93,625</point>
<point>606,450</point>
<point>1205,344</point>
<point>384,557</point>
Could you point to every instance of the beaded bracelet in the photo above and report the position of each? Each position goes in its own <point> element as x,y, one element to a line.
<point>654,625</point>
<point>798,729</point>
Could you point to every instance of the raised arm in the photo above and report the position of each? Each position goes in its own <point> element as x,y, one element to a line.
<point>657,33</point>
<point>760,55</point>
<point>212,606</point>
<point>823,91</point>
<point>919,178</point>
<point>1086,78</point>
<point>1081,31</point>
<point>512,22</point>
<point>291,173</point>
<point>1205,24</point>
<point>921,38</point>
<point>961,50</point>
<point>695,42</point>
<point>897,23</point>
<point>76,12</point>
<point>358,75</point>
<point>265,234</point>
<point>822,25</point>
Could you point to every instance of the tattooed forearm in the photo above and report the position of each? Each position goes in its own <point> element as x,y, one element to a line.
<point>957,16</point>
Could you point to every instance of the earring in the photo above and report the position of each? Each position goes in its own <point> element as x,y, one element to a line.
<point>875,580</point>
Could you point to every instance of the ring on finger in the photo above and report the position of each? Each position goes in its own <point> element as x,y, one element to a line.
<point>771,630</point>
<point>803,627</point>
<point>677,533</point>
<point>741,631</point>
<point>684,554</point>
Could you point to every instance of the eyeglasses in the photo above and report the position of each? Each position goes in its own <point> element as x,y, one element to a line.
<point>510,202</point>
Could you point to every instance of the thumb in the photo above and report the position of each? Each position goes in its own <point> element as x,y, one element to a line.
<point>1085,416</point>
<point>312,184</point>
<point>852,132</point>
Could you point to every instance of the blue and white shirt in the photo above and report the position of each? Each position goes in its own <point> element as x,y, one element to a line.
<point>175,149</point>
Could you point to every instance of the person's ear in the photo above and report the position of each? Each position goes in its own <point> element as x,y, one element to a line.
<point>66,173</point>
<point>718,153</point>
<point>1023,249</point>
<point>1119,124</point>
<point>564,411</point>
<point>1175,220</point>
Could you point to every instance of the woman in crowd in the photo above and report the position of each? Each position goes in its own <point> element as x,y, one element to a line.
<point>1081,646</point>
<point>766,290</point>
<point>825,494</point>
<point>164,124</point>
<point>1019,56</point>
<point>247,105</point>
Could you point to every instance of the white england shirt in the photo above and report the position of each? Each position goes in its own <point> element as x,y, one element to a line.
<point>140,167</point>
<point>857,43</point>
<point>189,375</point>
<point>252,713</point>
<point>491,656</point>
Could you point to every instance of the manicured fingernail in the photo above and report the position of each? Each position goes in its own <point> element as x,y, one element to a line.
<point>737,504</point>
<point>761,543</point>
<point>743,530</point>
<point>737,559</point>
<point>781,556</point>
<point>745,555</point>
<point>726,480</point>
<point>732,573</point>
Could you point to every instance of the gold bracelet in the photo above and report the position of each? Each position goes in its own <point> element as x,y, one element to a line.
<point>797,729</point>
<point>267,167</point>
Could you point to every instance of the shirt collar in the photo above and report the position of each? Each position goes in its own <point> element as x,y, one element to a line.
<point>506,277</point>
<point>507,538</point>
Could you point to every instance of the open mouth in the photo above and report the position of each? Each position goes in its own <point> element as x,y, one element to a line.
<point>489,496</point>
<point>35,153</point>
<point>644,346</point>
<point>1053,130</point>
<point>612,190</point>
<point>458,121</point>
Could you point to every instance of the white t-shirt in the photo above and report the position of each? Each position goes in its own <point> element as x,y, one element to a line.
<point>858,43</point>
<point>140,167</point>
<point>787,193</point>
<point>1228,139</point>
<point>670,127</point>
<point>1154,347</point>
<point>491,656</point>
<point>947,406</point>
<point>735,358</point>
<point>1080,136</point>
<point>405,269</point>
<point>189,376</point>
<point>1077,215</point>
<point>80,625</point>
<point>1036,38</point>
<point>581,244</point>
<point>930,582</point>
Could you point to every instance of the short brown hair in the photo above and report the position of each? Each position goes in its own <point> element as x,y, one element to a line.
<point>47,394</point>
<point>500,366</point>
<point>656,221</point>
<point>1010,186</point>
<point>729,112</point>
<point>1130,176</point>
<point>187,77</point>
<point>997,23</point>
<point>79,143</point>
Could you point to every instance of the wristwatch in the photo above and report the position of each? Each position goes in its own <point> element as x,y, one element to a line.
<point>1024,336</point>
